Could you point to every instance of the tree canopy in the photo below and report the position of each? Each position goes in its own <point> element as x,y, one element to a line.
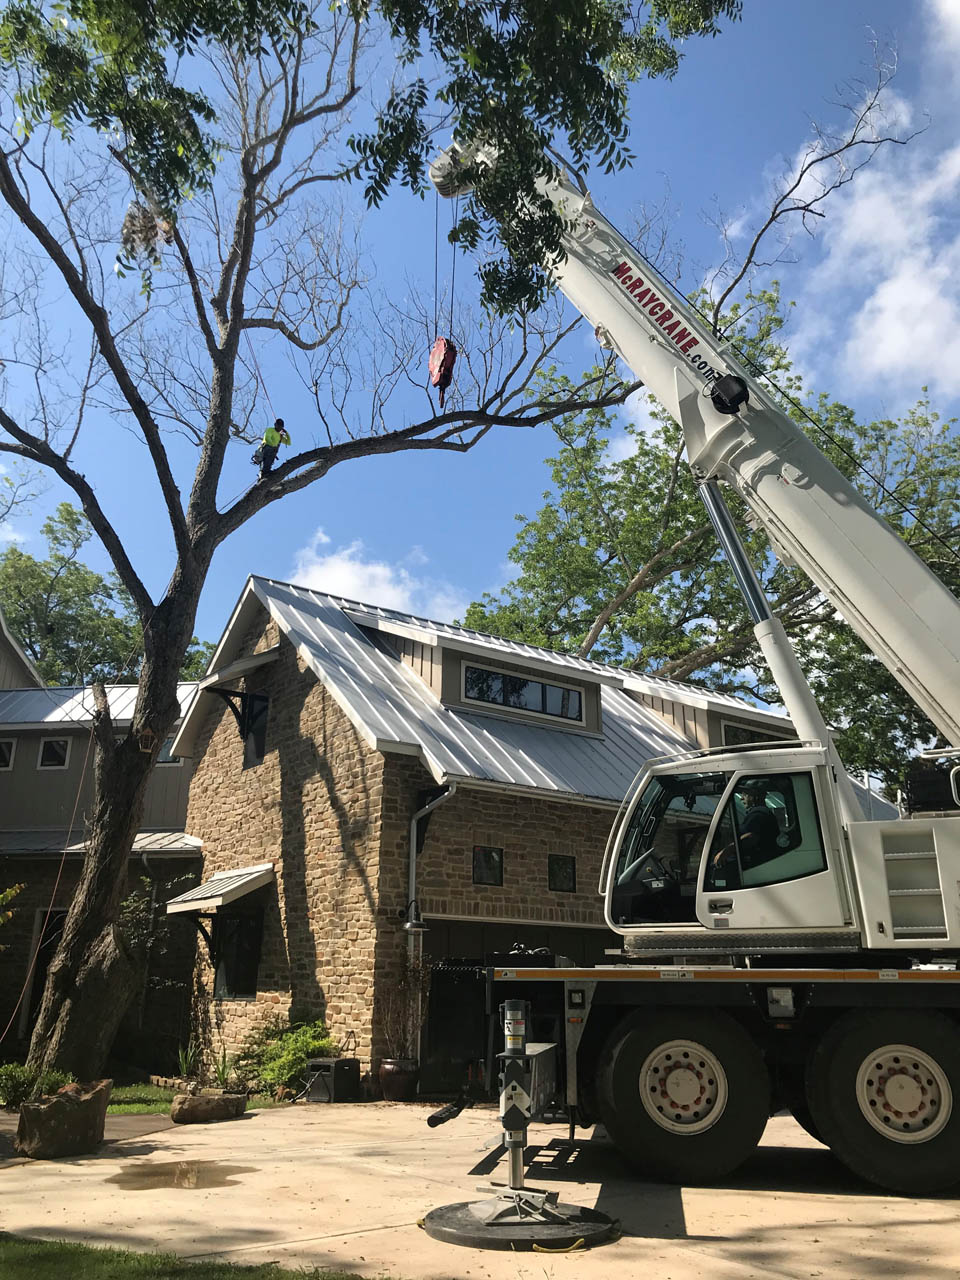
<point>527,77</point>
<point>621,564</point>
<point>76,624</point>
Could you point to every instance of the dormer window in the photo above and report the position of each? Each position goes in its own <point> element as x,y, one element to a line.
<point>514,692</point>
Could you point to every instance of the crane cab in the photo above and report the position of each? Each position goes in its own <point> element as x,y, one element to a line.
<point>732,841</point>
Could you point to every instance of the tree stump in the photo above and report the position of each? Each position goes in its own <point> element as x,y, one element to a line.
<point>68,1123</point>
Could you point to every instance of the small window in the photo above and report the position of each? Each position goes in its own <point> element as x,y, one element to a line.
<point>166,756</point>
<point>8,749</point>
<point>54,753</point>
<point>562,873</point>
<point>487,865</point>
<point>501,689</point>
<point>769,833</point>
<point>255,739</point>
<point>236,949</point>
<point>740,735</point>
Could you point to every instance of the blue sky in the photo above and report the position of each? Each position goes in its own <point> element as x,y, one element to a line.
<point>877,316</point>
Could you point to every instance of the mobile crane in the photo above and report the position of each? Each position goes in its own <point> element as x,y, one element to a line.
<point>778,948</point>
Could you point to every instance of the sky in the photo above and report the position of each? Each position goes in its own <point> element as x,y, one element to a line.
<point>877,313</point>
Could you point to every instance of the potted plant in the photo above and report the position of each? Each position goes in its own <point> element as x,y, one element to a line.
<point>403,1009</point>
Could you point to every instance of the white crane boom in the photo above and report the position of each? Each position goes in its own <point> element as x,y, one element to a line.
<point>813,515</point>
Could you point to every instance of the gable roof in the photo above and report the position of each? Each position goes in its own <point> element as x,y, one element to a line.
<point>394,711</point>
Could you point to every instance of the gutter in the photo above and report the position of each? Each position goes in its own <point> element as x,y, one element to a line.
<point>413,909</point>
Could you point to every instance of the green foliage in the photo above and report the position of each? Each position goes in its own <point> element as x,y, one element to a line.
<point>6,897</point>
<point>19,1083</point>
<point>76,624</point>
<point>188,1059</point>
<point>275,1057</point>
<point>522,76</point>
<point>622,532</point>
<point>223,1069</point>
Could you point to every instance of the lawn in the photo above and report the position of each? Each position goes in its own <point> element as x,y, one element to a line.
<point>55,1260</point>
<point>151,1100</point>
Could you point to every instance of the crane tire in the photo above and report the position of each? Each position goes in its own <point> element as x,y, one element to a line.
<point>683,1093</point>
<point>884,1091</point>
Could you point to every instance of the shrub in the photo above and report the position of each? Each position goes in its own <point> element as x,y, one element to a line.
<point>16,1083</point>
<point>19,1083</point>
<point>276,1057</point>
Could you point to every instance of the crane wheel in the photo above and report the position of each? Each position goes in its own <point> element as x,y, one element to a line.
<point>884,1091</point>
<point>684,1094</point>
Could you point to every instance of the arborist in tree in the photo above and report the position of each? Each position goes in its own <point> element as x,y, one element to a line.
<point>273,438</point>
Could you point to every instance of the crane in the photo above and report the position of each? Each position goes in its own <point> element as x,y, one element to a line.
<point>815,950</point>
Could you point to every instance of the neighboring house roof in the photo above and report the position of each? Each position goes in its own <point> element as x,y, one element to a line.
<point>59,840</point>
<point>394,710</point>
<point>61,705</point>
<point>19,650</point>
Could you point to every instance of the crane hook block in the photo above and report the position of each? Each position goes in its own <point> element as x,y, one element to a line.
<point>443,356</point>
<point>729,393</point>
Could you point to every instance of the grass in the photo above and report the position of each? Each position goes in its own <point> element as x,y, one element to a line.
<point>55,1260</point>
<point>151,1100</point>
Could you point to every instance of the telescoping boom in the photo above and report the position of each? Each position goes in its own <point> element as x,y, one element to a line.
<point>736,432</point>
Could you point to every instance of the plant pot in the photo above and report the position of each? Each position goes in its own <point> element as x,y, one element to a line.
<point>399,1078</point>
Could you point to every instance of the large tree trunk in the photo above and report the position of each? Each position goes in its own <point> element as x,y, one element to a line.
<point>94,974</point>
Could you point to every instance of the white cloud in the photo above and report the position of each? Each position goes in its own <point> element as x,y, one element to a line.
<point>624,445</point>
<point>943,20</point>
<point>348,571</point>
<point>882,307</point>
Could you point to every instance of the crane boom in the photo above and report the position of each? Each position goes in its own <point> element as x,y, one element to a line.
<point>812,514</point>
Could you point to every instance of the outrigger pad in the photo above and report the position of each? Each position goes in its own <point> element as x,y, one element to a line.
<point>506,1222</point>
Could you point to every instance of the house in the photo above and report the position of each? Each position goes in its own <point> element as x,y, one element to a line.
<point>46,786</point>
<point>358,771</point>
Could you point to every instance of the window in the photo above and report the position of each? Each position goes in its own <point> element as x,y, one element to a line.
<point>8,749</point>
<point>487,865</point>
<point>655,879</point>
<point>739,735</point>
<point>255,738</point>
<point>165,756</point>
<point>769,833</point>
<point>562,873</point>
<point>54,753</point>
<point>236,949</point>
<point>501,689</point>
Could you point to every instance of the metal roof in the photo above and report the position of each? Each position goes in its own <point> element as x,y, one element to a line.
<point>59,840</point>
<point>222,888</point>
<point>396,711</point>
<point>61,705</point>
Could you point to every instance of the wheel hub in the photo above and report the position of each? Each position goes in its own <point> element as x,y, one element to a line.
<point>904,1093</point>
<point>683,1087</point>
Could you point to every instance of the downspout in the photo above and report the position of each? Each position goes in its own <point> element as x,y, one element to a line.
<point>414,937</point>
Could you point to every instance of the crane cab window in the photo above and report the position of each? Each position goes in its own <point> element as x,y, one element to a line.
<point>658,865</point>
<point>768,833</point>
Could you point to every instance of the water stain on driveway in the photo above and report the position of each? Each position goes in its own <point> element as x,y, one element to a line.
<point>187,1175</point>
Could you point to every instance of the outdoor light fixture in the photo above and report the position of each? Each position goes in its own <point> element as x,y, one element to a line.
<point>414,921</point>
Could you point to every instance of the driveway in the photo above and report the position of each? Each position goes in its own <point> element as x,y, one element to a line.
<point>344,1186</point>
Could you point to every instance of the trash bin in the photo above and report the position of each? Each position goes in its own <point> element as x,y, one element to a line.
<point>333,1080</point>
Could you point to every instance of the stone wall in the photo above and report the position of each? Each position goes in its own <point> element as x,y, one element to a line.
<point>526,828</point>
<point>313,808</point>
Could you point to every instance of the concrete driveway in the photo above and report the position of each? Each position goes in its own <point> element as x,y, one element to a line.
<point>344,1186</point>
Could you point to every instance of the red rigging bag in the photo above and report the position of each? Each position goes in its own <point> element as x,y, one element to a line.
<point>442,359</point>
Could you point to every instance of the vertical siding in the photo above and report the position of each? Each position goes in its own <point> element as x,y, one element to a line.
<point>693,722</point>
<point>421,658</point>
<point>14,672</point>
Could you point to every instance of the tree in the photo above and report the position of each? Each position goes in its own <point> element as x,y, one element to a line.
<point>620,564</point>
<point>6,897</point>
<point>246,108</point>
<point>76,624</point>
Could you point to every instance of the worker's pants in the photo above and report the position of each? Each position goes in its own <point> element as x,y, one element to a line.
<point>268,456</point>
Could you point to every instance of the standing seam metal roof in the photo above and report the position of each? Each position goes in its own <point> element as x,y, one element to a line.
<point>394,710</point>
<point>60,705</point>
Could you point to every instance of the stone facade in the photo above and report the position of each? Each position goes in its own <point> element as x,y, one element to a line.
<point>334,816</point>
<point>313,808</point>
